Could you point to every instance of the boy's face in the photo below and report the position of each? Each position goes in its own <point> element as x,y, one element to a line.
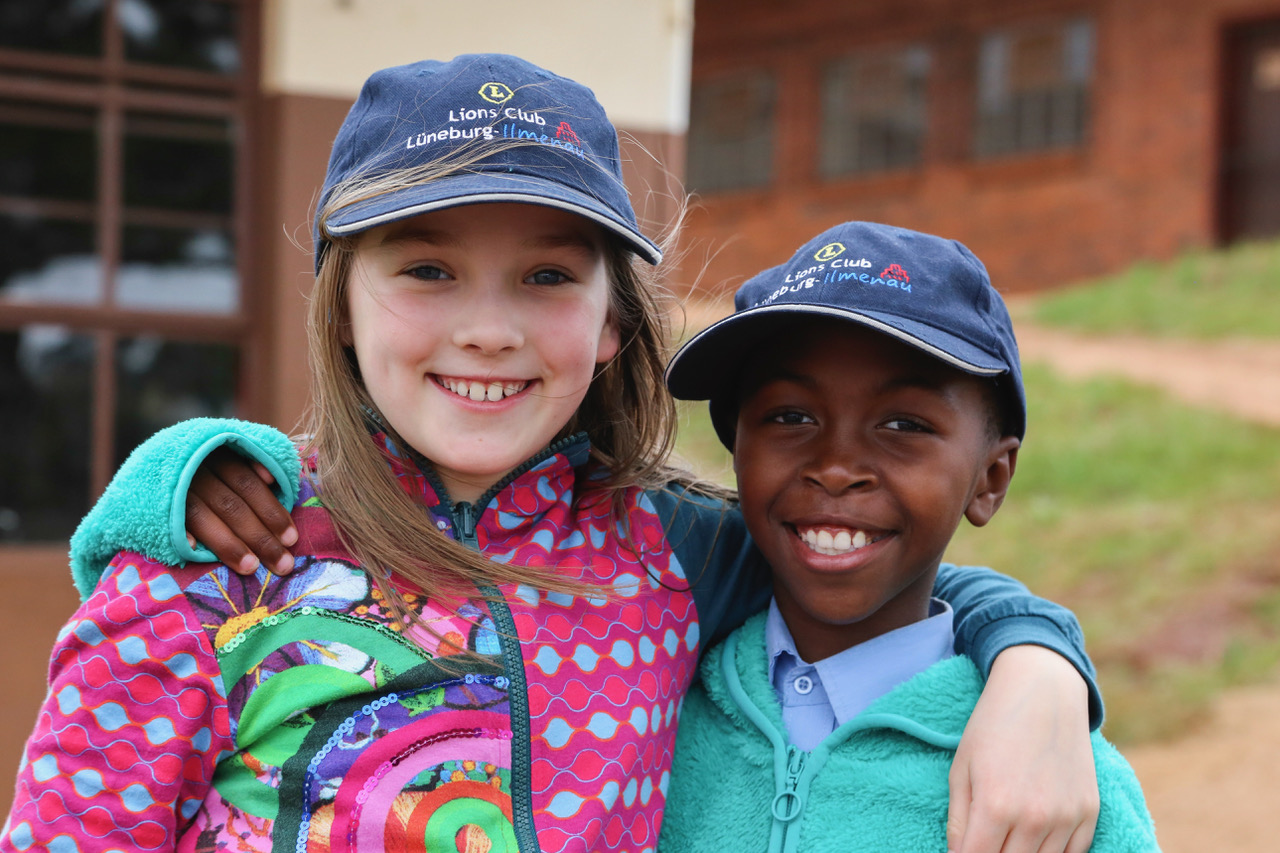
<point>856,457</point>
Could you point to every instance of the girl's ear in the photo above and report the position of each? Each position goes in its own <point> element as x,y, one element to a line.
<point>610,342</point>
<point>993,482</point>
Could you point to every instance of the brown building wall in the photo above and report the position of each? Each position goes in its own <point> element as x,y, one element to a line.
<point>1142,185</point>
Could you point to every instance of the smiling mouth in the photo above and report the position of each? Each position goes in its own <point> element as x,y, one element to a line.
<point>834,541</point>
<point>480,390</point>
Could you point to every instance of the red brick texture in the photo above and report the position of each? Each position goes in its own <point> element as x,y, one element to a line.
<point>1144,184</point>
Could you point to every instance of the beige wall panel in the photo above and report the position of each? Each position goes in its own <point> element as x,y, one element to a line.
<point>635,54</point>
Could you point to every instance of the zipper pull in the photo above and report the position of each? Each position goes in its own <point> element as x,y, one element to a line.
<point>788,804</point>
<point>465,518</point>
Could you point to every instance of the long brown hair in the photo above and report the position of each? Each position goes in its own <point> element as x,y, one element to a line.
<point>626,412</point>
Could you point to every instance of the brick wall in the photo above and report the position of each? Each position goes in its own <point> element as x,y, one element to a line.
<point>1142,185</point>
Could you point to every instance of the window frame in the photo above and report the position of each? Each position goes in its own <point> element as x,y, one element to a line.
<point>113,87</point>
<point>1069,101</point>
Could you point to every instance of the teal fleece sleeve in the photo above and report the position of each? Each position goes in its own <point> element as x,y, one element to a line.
<point>144,506</point>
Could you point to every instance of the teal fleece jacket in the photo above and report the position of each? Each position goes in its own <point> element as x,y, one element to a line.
<point>878,783</point>
<point>144,506</point>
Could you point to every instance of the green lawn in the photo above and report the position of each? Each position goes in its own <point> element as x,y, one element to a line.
<point>1157,523</point>
<point>1204,294</point>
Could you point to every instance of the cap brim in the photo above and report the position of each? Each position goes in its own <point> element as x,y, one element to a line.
<point>485,187</point>
<point>705,367</point>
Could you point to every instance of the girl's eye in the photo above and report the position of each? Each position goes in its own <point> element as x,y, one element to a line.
<point>427,272</point>
<point>548,276</point>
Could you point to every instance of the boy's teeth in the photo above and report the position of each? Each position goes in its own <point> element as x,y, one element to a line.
<point>481,391</point>
<point>841,542</point>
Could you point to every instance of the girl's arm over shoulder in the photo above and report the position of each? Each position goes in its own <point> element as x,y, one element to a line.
<point>146,508</point>
<point>125,744</point>
<point>994,612</point>
<point>1023,777</point>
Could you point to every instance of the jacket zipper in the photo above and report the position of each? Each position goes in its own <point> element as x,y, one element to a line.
<point>466,518</point>
<point>788,803</point>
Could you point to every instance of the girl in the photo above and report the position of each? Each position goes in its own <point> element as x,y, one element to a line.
<point>506,675</point>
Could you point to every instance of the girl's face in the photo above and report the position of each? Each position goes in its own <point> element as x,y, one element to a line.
<point>478,330</point>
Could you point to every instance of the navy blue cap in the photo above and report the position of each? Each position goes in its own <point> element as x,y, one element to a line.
<point>563,151</point>
<point>930,293</point>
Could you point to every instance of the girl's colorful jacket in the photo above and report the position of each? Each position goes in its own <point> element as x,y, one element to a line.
<point>198,710</point>
<point>878,782</point>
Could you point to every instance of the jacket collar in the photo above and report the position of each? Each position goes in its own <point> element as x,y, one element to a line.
<point>544,481</point>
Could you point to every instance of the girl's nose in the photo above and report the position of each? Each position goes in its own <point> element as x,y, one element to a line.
<point>488,321</point>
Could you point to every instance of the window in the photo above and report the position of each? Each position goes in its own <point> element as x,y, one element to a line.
<point>1033,88</point>
<point>122,209</point>
<point>731,122</point>
<point>873,111</point>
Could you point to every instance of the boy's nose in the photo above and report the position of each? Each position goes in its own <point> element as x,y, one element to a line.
<point>839,466</point>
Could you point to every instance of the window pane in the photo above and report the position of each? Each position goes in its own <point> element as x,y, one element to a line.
<point>873,111</point>
<point>199,34</point>
<point>45,386</point>
<point>46,261</point>
<point>731,132</point>
<point>47,152</point>
<point>54,26</point>
<point>178,163</point>
<point>1033,88</point>
<point>162,382</point>
<point>178,269</point>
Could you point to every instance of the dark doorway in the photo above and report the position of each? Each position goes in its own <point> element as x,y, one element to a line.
<point>1250,167</point>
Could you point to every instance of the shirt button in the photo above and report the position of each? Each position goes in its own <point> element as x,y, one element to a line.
<point>803,685</point>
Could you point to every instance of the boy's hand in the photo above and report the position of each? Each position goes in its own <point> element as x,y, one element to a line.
<point>232,510</point>
<point>1023,777</point>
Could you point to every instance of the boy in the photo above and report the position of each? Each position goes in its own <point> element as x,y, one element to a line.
<point>870,391</point>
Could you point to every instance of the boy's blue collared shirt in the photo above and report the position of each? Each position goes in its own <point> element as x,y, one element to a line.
<point>818,697</point>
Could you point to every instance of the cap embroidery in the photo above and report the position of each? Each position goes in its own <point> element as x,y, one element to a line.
<point>496,93</point>
<point>565,133</point>
<point>829,251</point>
<point>895,271</point>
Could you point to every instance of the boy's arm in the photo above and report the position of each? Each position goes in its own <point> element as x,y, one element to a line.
<point>125,744</point>
<point>145,509</point>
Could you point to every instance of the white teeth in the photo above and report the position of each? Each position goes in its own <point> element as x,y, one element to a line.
<point>490,392</point>
<point>833,544</point>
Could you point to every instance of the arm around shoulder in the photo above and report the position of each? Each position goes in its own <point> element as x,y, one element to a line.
<point>994,612</point>
<point>144,507</point>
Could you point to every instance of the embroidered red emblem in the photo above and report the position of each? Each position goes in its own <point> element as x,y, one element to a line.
<point>895,271</point>
<point>565,133</point>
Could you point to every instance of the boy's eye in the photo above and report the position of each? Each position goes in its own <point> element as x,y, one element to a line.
<point>427,272</point>
<point>548,276</point>
<point>791,417</point>
<point>906,425</point>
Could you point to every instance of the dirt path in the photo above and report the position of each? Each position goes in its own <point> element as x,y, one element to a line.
<point>1219,787</point>
<point>1242,378</point>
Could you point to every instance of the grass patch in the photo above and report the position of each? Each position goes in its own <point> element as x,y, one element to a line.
<point>1156,522</point>
<point>1204,294</point>
<point>1146,517</point>
<point>698,448</point>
